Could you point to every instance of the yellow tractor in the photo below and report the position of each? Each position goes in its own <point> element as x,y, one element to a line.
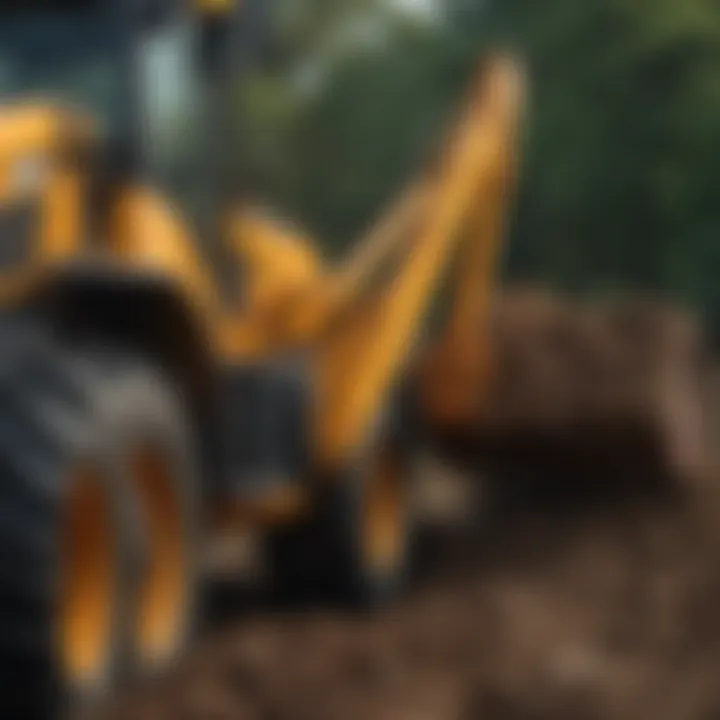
<point>174,364</point>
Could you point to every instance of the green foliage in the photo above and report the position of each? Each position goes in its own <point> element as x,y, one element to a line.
<point>343,121</point>
<point>621,180</point>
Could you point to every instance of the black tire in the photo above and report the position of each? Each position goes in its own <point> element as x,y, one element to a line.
<point>57,466</point>
<point>148,422</point>
<point>327,557</point>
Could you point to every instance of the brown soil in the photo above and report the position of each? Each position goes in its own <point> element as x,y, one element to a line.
<point>609,612</point>
<point>612,614</point>
<point>604,387</point>
<point>603,610</point>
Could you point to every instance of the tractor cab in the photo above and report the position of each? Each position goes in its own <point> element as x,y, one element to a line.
<point>140,69</point>
<point>64,54</point>
<point>114,94</point>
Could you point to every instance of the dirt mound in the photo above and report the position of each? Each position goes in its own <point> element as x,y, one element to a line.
<point>610,616</point>
<point>576,389</point>
<point>605,613</point>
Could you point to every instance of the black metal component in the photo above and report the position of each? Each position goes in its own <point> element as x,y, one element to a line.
<point>24,6</point>
<point>231,41</point>
<point>229,46</point>
<point>19,234</point>
<point>153,14</point>
<point>263,426</point>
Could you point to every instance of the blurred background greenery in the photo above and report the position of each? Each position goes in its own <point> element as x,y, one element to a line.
<point>621,176</point>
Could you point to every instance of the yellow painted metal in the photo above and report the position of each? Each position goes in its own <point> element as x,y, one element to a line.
<point>282,269</point>
<point>24,128</point>
<point>217,7</point>
<point>455,374</point>
<point>356,321</point>
<point>359,320</point>
<point>391,238</point>
<point>277,260</point>
<point>359,361</point>
<point>36,169</point>
<point>89,558</point>
<point>163,597</point>
<point>292,296</point>
<point>149,235</point>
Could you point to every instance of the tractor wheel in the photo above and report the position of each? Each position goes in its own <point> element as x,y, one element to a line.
<point>150,427</point>
<point>66,532</point>
<point>356,548</point>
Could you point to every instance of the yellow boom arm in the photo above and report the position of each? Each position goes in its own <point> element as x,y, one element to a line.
<point>359,321</point>
<point>370,338</point>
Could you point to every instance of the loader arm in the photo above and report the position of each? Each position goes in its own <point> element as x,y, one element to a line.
<point>371,328</point>
<point>454,373</point>
<point>293,298</point>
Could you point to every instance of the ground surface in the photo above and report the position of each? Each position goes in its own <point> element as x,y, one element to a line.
<point>602,612</point>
